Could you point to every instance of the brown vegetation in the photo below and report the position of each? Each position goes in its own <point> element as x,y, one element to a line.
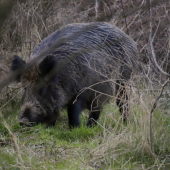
<point>31,21</point>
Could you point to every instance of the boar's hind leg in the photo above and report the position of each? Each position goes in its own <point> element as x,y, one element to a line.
<point>74,111</point>
<point>93,117</point>
<point>122,100</point>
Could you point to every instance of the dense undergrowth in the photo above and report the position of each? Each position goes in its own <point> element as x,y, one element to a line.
<point>112,144</point>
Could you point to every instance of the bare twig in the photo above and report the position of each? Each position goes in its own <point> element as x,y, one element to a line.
<point>151,114</point>
<point>125,17</point>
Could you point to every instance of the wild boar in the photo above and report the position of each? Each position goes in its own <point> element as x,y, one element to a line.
<point>81,72</point>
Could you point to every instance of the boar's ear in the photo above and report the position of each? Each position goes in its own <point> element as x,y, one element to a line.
<point>16,64</point>
<point>47,64</point>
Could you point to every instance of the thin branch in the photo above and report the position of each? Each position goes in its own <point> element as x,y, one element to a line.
<point>125,17</point>
<point>151,113</point>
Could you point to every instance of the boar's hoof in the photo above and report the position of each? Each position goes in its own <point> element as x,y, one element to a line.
<point>25,122</point>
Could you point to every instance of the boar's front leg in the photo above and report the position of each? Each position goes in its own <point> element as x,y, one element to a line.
<point>74,111</point>
<point>93,117</point>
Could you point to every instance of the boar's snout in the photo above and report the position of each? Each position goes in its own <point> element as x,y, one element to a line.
<point>25,121</point>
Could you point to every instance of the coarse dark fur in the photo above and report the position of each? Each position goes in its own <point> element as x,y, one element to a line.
<point>100,60</point>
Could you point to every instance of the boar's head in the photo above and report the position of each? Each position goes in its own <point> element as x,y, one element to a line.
<point>40,96</point>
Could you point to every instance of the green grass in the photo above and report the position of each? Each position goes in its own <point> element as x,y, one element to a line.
<point>112,144</point>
